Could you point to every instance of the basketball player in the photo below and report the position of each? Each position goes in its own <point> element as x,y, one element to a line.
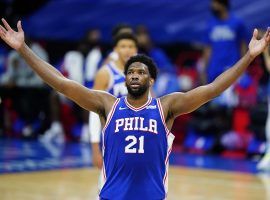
<point>136,129</point>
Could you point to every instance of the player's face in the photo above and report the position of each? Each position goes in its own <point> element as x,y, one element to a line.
<point>138,79</point>
<point>126,48</point>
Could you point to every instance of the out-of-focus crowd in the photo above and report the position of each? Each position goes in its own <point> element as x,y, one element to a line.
<point>233,121</point>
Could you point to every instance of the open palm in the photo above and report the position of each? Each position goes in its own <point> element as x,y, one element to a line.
<point>12,38</point>
<point>258,46</point>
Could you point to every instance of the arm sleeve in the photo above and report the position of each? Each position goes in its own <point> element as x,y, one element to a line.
<point>94,127</point>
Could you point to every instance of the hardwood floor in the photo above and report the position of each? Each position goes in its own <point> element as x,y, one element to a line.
<point>184,183</point>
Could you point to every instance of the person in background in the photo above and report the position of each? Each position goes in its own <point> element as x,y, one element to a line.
<point>167,82</point>
<point>118,29</point>
<point>225,42</point>
<point>17,76</point>
<point>80,65</point>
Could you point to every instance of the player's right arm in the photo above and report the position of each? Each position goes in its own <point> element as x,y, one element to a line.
<point>92,100</point>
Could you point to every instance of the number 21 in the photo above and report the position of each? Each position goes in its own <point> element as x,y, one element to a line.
<point>130,147</point>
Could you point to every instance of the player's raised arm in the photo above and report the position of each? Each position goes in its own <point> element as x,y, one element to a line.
<point>93,100</point>
<point>180,103</point>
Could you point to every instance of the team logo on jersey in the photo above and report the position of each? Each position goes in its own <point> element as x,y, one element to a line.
<point>122,108</point>
<point>151,107</point>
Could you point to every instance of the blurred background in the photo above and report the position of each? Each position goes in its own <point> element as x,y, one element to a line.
<point>191,41</point>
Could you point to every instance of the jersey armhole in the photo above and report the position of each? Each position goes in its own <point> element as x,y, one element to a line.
<point>162,116</point>
<point>110,115</point>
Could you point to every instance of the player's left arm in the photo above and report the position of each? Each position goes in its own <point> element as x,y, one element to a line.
<point>178,103</point>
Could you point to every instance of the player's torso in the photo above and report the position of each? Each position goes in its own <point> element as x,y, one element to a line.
<point>135,152</point>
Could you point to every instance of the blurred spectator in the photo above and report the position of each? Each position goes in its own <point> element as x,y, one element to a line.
<point>167,80</point>
<point>79,65</point>
<point>91,50</point>
<point>22,116</point>
<point>264,164</point>
<point>225,40</point>
<point>18,74</point>
<point>246,90</point>
<point>3,59</point>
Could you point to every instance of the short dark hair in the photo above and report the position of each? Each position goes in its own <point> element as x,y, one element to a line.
<point>122,36</point>
<point>117,29</point>
<point>152,68</point>
<point>225,3</point>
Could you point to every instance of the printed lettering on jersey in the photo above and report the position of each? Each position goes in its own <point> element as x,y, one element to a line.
<point>222,33</point>
<point>136,124</point>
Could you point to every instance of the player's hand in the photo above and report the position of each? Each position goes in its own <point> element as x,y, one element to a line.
<point>258,46</point>
<point>12,38</point>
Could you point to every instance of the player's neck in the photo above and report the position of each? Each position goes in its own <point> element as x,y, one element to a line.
<point>138,101</point>
<point>119,64</point>
<point>224,15</point>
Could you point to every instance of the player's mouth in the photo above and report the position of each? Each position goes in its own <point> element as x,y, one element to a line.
<point>134,85</point>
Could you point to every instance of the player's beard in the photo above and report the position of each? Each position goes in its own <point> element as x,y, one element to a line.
<point>137,92</point>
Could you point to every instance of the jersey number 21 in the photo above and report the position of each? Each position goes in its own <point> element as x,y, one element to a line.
<point>133,141</point>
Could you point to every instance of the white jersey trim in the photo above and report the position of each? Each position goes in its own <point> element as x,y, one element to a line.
<point>162,116</point>
<point>170,137</point>
<point>139,108</point>
<point>110,115</point>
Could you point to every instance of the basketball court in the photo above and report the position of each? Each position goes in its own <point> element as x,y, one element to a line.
<point>33,170</point>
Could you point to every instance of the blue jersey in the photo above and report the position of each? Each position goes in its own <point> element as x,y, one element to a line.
<point>117,85</point>
<point>224,37</point>
<point>136,148</point>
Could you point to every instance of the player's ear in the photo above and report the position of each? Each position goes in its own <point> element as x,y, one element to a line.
<point>152,81</point>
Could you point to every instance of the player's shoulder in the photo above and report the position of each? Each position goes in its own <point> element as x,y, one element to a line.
<point>168,100</point>
<point>104,70</point>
